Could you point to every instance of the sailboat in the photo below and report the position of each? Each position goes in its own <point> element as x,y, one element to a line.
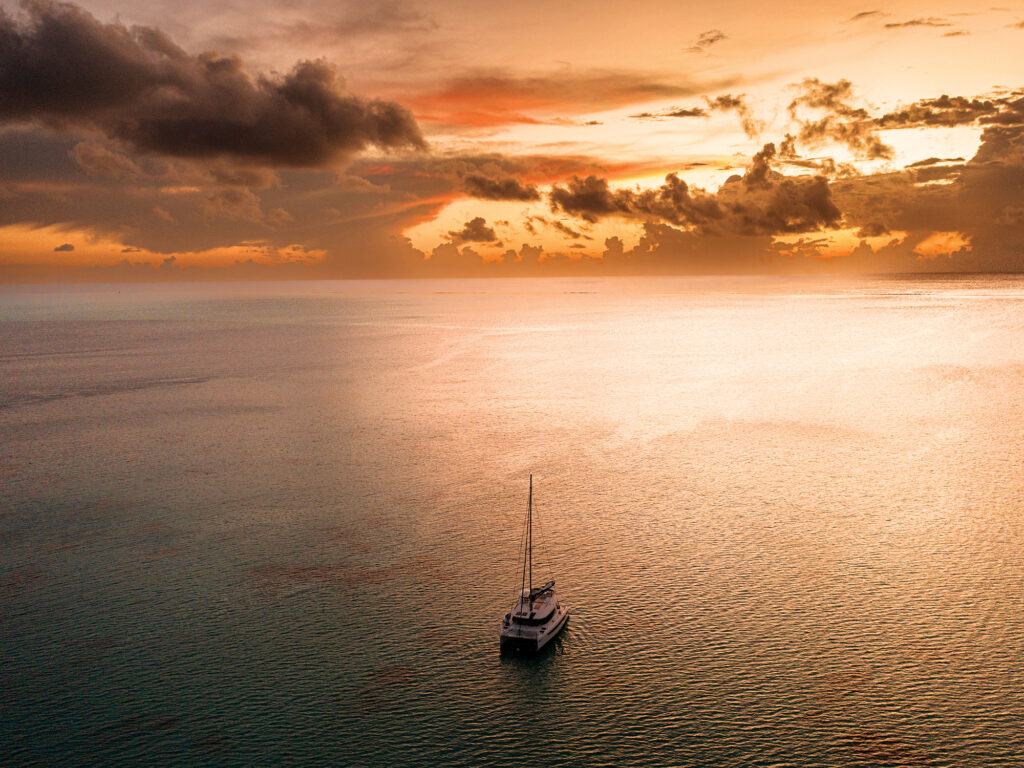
<point>537,617</point>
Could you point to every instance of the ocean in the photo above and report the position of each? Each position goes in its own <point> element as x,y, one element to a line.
<point>278,524</point>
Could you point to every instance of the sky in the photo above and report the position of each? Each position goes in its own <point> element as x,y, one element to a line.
<point>322,139</point>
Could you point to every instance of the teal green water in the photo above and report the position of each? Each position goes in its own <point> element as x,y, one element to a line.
<point>278,524</point>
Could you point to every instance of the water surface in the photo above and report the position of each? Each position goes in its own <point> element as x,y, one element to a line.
<point>278,524</point>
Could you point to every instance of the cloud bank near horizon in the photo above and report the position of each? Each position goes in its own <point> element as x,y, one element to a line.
<point>127,157</point>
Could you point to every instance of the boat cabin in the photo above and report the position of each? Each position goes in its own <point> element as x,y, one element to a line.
<point>537,610</point>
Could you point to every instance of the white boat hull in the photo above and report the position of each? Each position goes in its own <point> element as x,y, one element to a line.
<point>530,639</point>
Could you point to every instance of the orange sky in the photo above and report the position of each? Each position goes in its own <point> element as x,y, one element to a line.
<point>315,139</point>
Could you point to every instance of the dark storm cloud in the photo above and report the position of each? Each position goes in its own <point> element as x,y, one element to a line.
<point>169,205</point>
<point>592,199</point>
<point>763,201</point>
<point>474,231</point>
<point>32,155</point>
<point>61,66</point>
<point>760,202</point>
<point>707,39</point>
<point>232,203</point>
<point>840,122</point>
<point>978,198</point>
<point>1002,145</point>
<point>64,248</point>
<point>498,188</point>
<point>99,160</point>
<point>930,21</point>
<point>179,206</point>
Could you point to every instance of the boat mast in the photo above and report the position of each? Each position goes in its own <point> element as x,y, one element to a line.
<point>529,535</point>
<point>526,545</point>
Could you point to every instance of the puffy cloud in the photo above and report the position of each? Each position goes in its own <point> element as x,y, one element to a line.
<point>737,103</point>
<point>956,110</point>
<point>66,247</point>
<point>498,188</point>
<point>841,122</point>
<point>474,231</point>
<point>613,248</point>
<point>1001,145</point>
<point>760,202</point>
<point>592,199</point>
<point>62,66</point>
<point>832,97</point>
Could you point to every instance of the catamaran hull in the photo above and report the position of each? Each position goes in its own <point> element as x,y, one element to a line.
<point>513,642</point>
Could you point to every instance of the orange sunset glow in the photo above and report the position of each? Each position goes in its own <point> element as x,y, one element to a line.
<point>434,139</point>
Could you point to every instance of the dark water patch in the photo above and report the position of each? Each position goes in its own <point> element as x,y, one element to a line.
<point>97,390</point>
<point>10,535</point>
<point>130,727</point>
<point>210,744</point>
<point>61,543</point>
<point>170,552</point>
<point>354,538</point>
<point>13,584</point>
<point>383,685</point>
